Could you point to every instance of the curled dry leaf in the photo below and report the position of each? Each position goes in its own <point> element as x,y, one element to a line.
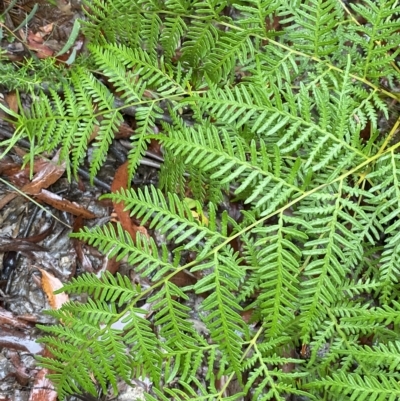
<point>121,182</point>
<point>183,279</point>
<point>35,43</point>
<point>7,199</point>
<point>51,284</point>
<point>15,174</point>
<point>21,372</point>
<point>47,176</point>
<point>47,173</point>
<point>65,205</point>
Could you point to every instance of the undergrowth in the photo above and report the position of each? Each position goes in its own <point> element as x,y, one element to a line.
<point>286,108</point>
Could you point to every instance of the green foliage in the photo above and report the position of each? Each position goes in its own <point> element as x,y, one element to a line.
<point>32,75</point>
<point>296,126</point>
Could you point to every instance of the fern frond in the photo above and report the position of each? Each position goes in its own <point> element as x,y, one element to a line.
<point>272,382</point>
<point>373,388</point>
<point>172,32</point>
<point>227,160</point>
<point>230,50</point>
<point>221,308</point>
<point>387,202</point>
<point>248,104</point>
<point>173,318</point>
<point>126,16</point>
<point>313,26</point>
<point>275,117</point>
<point>380,355</point>
<point>200,38</point>
<point>144,253</point>
<point>146,351</point>
<point>278,260</point>
<point>107,288</point>
<point>255,13</point>
<point>150,32</point>
<point>378,37</point>
<point>76,374</point>
<point>328,252</point>
<point>169,216</point>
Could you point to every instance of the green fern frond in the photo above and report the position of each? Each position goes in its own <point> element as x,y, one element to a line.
<point>255,13</point>
<point>172,33</point>
<point>373,388</point>
<point>173,318</point>
<point>200,38</point>
<point>127,22</point>
<point>387,202</point>
<point>169,216</point>
<point>313,26</point>
<point>279,259</point>
<point>276,118</point>
<point>379,38</point>
<point>144,253</point>
<point>150,32</point>
<point>226,160</point>
<point>328,252</point>
<point>75,374</point>
<point>146,351</point>
<point>230,50</point>
<point>221,308</point>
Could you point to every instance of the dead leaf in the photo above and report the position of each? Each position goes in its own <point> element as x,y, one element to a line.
<point>94,133</point>
<point>22,34</point>
<point>15,174</point>
<point>47,176</point>
<point>124,131</point>
<point>7,198</point>
<point>8,244</point>
<point>121,182</point>
<point>155,147</point>
<point>21,372</point>
<point>65,205</point>
<point>43,389</point>
<point>36,37</point>
<point>12,101</point>
<point>83,259</point>
<point>46,29</point>
<point>51,284</point>
<point>47,173</point>
<point>35,42</point>
<point>183,279</point>
<point>112,265</point>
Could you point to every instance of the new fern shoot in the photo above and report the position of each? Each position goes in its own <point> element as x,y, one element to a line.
<point>287,108</point>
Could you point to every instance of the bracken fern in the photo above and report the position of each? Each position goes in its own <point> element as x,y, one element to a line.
<point>290,124</point>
